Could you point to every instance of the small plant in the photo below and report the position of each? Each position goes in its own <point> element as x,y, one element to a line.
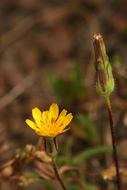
<point>104,86</point>
<point>48,124</point>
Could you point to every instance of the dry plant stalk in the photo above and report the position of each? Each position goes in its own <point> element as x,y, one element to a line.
<point>104,86</point>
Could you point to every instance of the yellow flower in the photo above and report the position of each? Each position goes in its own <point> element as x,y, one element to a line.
<point>50,123</point>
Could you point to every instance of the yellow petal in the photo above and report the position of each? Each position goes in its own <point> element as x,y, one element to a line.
<point>53,111</point>
<point>36,115</point>
<point>42,132</point>
<point>61,117</point>
<point>48,123</point>
<point>31,124</point>
<point>67,119</point>
<point>63,131</point>
<point>45,117</point>
<point>66,130</point>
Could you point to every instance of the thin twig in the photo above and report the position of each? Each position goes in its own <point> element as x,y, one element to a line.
<point>57,175</point>
<point>53,154</point>
<point>113,141</point>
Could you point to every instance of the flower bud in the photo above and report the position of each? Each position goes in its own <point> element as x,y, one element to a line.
<point>104,77</point>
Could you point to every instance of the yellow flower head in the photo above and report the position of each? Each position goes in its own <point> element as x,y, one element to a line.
<point>48,123</point>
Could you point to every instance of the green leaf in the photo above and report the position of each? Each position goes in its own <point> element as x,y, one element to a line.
<point>48,184</point>
<point>86,185</point>
<point>73,186</point>
<point>76,80</point>
<point>117,60</point>
<point>88,127</point>
<point>32,175</point>
<point>20,151</point>
<point>90,153</point>
<point>70,88</point>
<point>76,74</point>
<point>90,187</point>
<point>59,86</point>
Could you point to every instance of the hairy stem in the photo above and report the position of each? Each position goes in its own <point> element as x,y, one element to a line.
<point>113,141</point>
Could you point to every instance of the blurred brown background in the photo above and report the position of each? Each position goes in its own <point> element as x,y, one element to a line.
<point>38,37</point>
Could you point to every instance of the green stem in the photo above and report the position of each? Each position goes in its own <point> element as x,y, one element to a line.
<point>113,141</point>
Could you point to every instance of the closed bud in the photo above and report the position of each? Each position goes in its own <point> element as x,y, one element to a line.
<point>104,77</point>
